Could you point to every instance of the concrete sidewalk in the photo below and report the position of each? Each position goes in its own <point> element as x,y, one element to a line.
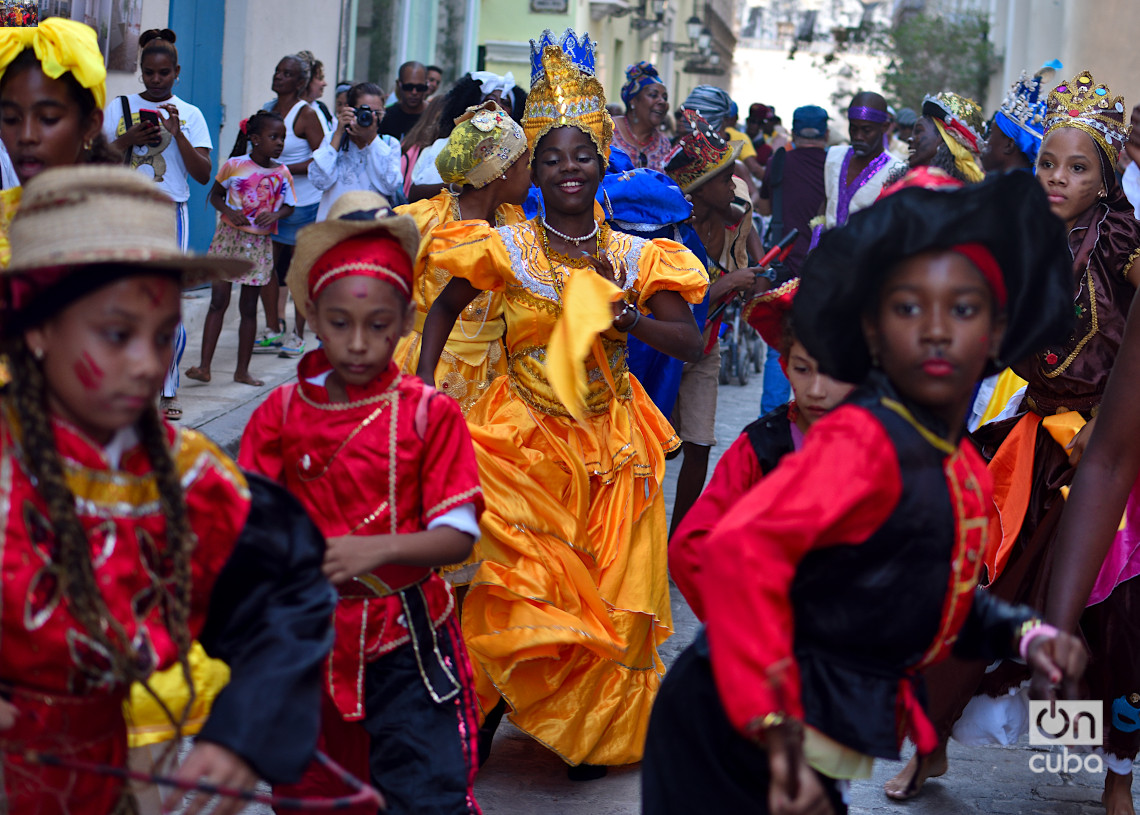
<point>222,408</point>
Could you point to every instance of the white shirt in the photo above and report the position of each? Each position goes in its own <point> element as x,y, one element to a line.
<point>425,171</point>
<point>8,177</point>
<point>163,163</point>
<point>865,195</point>
<point>335,172</point>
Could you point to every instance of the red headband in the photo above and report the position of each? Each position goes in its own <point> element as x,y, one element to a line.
<point>985,263</point>
<point>374,255</point>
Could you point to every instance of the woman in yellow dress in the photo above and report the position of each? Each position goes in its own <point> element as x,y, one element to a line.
<point>486,159</point>
<point>565,616</point>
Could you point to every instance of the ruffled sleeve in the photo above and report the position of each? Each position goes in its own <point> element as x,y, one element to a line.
<point>474,251</point>
<point>666,265</point>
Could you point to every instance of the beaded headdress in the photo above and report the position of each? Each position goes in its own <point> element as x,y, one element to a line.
<point>962,118</point>
<point>1022,114</point>
<point>699,154</point>
<point>485,142</point>
<point>564,91</point>
<point>1087,106</point>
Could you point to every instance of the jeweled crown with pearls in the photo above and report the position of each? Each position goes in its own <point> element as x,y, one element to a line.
<point>565,92</point>
<point>1024,106</point>
<point>1091,107</point>
<point>579,50</point>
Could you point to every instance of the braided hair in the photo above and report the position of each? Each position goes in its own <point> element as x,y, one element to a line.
<point>28,393</point>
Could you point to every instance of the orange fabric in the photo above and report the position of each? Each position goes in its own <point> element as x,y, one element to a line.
<point>1012,472</point>
<point>1064,427</point>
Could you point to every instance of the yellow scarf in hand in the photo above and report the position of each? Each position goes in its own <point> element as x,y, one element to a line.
<point>587,311</point>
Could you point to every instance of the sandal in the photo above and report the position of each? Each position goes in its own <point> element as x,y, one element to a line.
<point>170,408</point>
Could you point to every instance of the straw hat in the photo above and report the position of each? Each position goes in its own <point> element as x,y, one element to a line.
<point>84,215</point>
<point>354,213</point>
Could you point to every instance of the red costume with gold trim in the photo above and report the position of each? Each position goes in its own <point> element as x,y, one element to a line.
<point>390,460</point>
<point>70,701</point>
<point>861,554</point>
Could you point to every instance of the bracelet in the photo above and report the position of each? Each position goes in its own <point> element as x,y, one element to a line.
<point>1031,630</point>
<point>636,318</point>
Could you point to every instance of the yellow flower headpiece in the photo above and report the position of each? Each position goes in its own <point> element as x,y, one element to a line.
<point>563,94</point>
<point>1087,106</point>
<point>485,142</point>
<point>62,47</point>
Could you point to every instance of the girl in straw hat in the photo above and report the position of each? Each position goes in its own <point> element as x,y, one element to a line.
<point>486,169</point>
<point>56,67</point>
<point>385,463</point>
<point>571,602</point>
<point>104,503</point>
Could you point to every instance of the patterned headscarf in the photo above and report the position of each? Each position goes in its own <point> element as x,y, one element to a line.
<point>485,142</point>
<point>711,103</point>
<point>959,122</point>
<point>637,76</point>
<point>62,47</point>
<point>699,154</point>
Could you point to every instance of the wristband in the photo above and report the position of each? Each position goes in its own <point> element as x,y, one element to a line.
<point>1033,630</point>
<point>636,319</point>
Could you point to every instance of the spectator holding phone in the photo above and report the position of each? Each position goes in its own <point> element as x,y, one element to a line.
<point>166,139</point>
<point>354,156</point>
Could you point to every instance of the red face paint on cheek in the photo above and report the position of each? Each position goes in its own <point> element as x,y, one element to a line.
<point>85,375</point>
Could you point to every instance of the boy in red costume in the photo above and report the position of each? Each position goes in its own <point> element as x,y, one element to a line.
<point>386,467</point>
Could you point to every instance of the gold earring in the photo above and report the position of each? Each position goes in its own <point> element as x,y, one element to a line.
<point>1102,194</point>
<point>88,144</point>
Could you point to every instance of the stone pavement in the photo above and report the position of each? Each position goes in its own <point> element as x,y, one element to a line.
<point>522,777</point>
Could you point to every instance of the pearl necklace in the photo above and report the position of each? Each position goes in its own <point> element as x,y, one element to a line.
<point>568,238</point>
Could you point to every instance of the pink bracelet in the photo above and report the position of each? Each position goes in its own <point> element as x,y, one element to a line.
<point>1039,630</point>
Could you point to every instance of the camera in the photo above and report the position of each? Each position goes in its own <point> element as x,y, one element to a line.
<point>365,116</point>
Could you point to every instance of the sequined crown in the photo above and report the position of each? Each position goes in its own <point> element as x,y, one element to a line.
<point>1087,106</point>
<point>1024,106</point>
<point>961,116</point>
<point>579,50</point>
<point>565,93</point>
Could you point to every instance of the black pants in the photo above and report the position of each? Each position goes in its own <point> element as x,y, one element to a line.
<point>695,760</point>
<point>423,754</point>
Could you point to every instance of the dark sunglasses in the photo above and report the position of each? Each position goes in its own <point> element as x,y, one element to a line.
<point>410,87</point>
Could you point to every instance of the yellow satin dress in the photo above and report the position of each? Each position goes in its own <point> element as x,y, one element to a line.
<point>567,611</point>
<point>473,356</point>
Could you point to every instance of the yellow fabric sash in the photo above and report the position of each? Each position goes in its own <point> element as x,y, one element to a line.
<point>586,312</point>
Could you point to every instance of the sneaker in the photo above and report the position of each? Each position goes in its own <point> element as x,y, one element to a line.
<point>293,348</point>
<point>268,342</point>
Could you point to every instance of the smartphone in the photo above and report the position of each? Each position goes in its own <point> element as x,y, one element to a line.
<point>149,116</point>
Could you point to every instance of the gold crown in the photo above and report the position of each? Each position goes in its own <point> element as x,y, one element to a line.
<point>565,96</point>
<point>1087,106</point>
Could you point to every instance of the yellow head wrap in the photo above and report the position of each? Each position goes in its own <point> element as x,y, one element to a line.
<point>964,160</point>
<point>62,47</point>
<point>485,142</point>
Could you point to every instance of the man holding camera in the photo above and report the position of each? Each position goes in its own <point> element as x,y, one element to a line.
<point>355,156</point>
